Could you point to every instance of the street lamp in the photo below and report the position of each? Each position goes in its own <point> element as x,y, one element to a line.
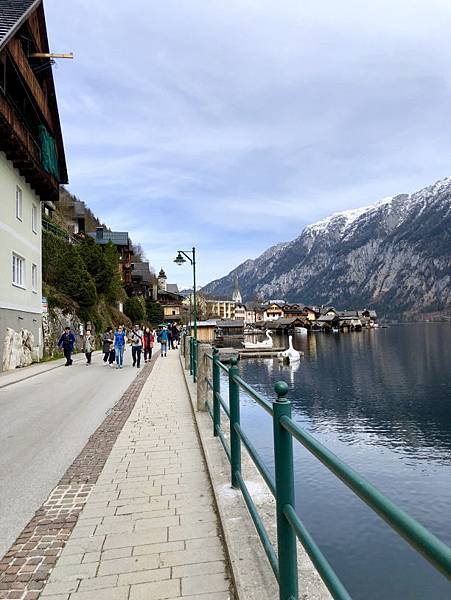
<point>180,260</point>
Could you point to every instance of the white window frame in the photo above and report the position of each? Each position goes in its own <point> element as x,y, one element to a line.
<point>34,218</point>
<point>18,270</point>
<point>34,278</point>
<point>19,203</point>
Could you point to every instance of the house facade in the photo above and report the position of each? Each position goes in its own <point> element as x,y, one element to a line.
<point>222,309</point>
<point>32,166</point>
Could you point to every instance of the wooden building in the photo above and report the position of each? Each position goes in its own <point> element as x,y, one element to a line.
<point>32,167</point>
<point>123,244</point>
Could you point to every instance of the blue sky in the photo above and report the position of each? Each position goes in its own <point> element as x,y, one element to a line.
<point>232,125</point>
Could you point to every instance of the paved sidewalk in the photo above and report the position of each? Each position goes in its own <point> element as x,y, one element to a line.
<point>148,529</point>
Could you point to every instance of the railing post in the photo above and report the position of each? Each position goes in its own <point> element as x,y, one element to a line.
<point>187,352</point>
<point>194,360</point>
<point>191,359</point>
<point>234,405</point>
<point>216,391</point>
<point>283,459</point>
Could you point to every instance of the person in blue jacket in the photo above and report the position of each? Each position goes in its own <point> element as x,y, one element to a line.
<point>163,339</point>
<point>66,342</point>
<point>120,340</point>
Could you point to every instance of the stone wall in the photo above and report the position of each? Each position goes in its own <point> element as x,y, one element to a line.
<point>53,324</point>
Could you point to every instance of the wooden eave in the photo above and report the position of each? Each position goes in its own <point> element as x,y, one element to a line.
<point>20,148</point>
<point>15,140</point>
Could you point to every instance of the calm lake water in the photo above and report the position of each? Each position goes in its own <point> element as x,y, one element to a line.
<point>381,400</point>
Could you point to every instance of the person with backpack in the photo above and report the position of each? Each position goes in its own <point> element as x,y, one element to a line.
<point>137,344</point>
<point>89,342</point>
<point>163,339</point>
<point>148,342</point>
<point>120,341</point>
<point>67,342</point>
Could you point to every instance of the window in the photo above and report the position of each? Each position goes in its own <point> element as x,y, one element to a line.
<point>34,218</point>
<point>19,203</point>
<point>34,278</point>
<point>18,270</point>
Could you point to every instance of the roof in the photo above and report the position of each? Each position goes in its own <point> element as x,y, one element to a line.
<point>141,269</point>
<point>209,323</point>
<point>230,323</point>
<point>327,318</point>
<point>118,238</point>
<point>173,288</point>
<point>12,14</point>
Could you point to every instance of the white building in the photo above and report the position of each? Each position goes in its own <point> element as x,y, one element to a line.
<point>32,165</point>
<point>223,309</point>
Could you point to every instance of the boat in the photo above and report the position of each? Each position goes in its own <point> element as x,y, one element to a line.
<point>301,330</point>
<point>290,355</point>
<point>268,343</point>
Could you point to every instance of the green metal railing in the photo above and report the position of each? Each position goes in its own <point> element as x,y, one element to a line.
<point>289,525</point>
<point>193,358</point>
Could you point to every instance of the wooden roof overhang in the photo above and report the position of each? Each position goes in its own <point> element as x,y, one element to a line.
<point>16,140</point>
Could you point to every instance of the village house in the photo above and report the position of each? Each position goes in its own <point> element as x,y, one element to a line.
<point>240,312</point>
<point>32,167</point>
<point>123,244</point>
<point>272,312</point>
<point>168,295</point>
<point>142,279</point>
<point>222,309</point>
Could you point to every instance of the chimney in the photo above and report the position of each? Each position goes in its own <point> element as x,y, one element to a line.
<point>99,234</point>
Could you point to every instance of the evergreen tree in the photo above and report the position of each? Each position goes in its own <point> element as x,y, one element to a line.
<point>155,313</point>
<point>135,309</point>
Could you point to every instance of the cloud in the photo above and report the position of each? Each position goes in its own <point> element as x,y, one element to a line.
<point>232,125</point>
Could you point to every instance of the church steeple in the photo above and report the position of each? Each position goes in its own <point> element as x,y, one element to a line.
<point>162,280</point>
<point>236,296</point>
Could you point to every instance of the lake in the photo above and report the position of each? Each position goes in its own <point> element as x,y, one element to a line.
<point>381,400</point>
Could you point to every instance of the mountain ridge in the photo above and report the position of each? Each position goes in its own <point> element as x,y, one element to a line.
<point>393,256</point>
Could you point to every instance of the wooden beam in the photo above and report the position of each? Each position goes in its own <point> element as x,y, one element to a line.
<point>21,61</point>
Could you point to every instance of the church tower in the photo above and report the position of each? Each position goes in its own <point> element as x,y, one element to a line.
<point>162,281</point>
<point>236,296</point>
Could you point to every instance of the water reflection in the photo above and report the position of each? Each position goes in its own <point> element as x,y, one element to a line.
<point>381,400</point>
<point>392,385</point>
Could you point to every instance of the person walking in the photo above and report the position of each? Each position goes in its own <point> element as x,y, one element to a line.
<point>120,341</point>
<point>163,338</point>
<point>108,346</point>
<point>137,344</point>
<point>67,342</point>
<point>176,334</point>
<point>89,343</point>
<point>148,342</point>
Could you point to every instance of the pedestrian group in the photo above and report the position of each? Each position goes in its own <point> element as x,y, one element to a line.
<point>115,342</point>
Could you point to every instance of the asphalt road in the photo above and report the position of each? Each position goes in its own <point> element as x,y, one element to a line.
<point>45,422</point>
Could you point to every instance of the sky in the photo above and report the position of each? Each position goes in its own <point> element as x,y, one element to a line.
<point>231,125</point>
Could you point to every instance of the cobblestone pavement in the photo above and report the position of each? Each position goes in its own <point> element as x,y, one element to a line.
<point>148,529</point>
<point>26,566</point>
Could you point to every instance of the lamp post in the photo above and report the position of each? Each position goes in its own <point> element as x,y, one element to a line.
<point>180,260</point>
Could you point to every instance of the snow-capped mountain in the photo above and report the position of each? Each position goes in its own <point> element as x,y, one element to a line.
<point>394,256</point>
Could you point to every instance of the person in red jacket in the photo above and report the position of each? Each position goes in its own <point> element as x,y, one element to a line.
<point>148,342</point>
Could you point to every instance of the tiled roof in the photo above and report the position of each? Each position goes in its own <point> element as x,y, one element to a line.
<point>118,238</point>
<point>172,287</point>
<point>12,13</point>
<point>141,269</point>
